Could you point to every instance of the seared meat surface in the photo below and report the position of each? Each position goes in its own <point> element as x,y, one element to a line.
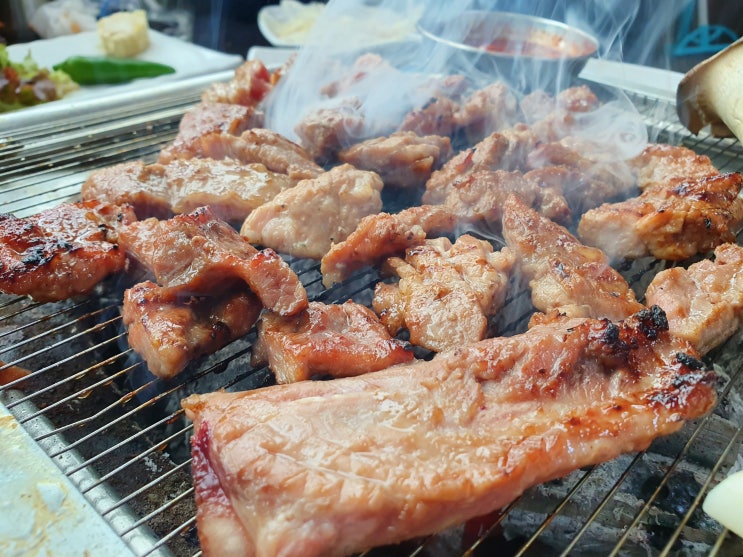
<point>335,467</point>
<point>446,293</point>
<point>673,221</point>
<point>306,219</point>
<point>231,189</point>
<point>260,145</point>
<point>660,163</point>
<point>704,303</point>
<point>487,110</point>
<point>249,86</point>
<point>563,274</point>
<point>170,327</point>
<point>436,117</point>
<point>206,118</point>
<point>63,251</point>
<point>402,159</point>
<point>337,340</point>
<point>325,131</point>
<point>197,252</point>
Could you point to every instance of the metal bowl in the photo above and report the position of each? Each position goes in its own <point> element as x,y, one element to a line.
<point>527,51</point>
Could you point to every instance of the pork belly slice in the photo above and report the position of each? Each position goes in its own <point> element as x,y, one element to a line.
<point>335,467</point>
<point>199,253</point>
<point>446,293</point>
<point>660,163</point>
<point>673,221</point>
<point>230,188</point>
<point>170,327</point>
<point>337,340</point>
<point>260,145</point>
<point>563,274</point>
<point>383,235</point>
<point>505,150</point>
<point>206,118</point>
<point>704,303</point>
<point>305,220</point>
<point>402,159</point>
<point>63,251</point>
<point>248,87</point>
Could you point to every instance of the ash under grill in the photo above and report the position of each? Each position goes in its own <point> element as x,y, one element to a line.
<point>121,437</point>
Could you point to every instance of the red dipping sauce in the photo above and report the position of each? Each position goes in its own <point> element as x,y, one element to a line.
<point>523,48</point>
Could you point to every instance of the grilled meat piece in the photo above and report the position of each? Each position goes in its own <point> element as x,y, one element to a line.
<point>446,292</point>
<point>704,303</point>
<point>335,467</point>
<point>563,274</point>
<point>671,221</point>
<point>170,327</point>
<point>436,117</point>
<point>338,340</point>
<point>325,131</point>
<point>558,188</point>
<point>564,117</point>
<point>260,145</point>
<point>305,220</point>
<point>383,235</point>
<point>402,159</point>
<point>505,150</point>
<point>489,109</point>
<point>231,189</point>
<point>206,118</point>
<point>660,163</point>
<point>197,253</point>
<point>248,87</point>
<point>63,251</point>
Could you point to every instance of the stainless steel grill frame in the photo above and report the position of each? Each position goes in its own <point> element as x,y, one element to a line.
<point>121,437</point>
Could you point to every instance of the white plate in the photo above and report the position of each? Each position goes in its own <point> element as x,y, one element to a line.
<point>289,22</point>
<point>189,61</point>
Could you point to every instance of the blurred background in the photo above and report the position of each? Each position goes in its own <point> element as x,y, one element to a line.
<point>693,31</point>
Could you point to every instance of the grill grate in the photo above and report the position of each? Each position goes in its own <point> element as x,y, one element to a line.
<point>122,438</point>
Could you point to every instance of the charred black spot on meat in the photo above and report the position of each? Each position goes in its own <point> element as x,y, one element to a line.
<point>652,321</point>
<point>689,361</point>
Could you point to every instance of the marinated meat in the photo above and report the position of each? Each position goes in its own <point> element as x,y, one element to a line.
<point>63,251</point>
<point>335,467</point>
<point>198,253</point>
<point>170,327</point>
<point>563,274</point>
<point>446,292</point>
<point>403,159</point>
<point>305,220</point>
<point>248,87</point>
<point>260,145</point>
<point>603,176</point>
<point>436,117</point>
<point>490,109</point>
<point>558,192</point>
<point>668,221</point>
<point>206,118</point>
<point>142,187</point>
<point>231,189</point>
<point>383,235</point>
<point>337,340</point>
<point>505,150</point>
<point>325,131</point>
<point>660,163</point>
<point>704,303</point>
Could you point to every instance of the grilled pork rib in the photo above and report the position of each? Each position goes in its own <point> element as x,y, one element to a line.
<point>337,340</point>
<point>335,467</point>
<point>63,251</point>
<point>704,303</point>
<point>200,253</point>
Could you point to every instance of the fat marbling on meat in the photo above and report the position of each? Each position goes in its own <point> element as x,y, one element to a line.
<point>336,467</point>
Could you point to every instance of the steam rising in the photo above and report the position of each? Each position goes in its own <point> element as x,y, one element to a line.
<point>375,97</point>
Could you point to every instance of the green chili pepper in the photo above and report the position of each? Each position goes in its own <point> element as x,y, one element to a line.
<point>100,70</point>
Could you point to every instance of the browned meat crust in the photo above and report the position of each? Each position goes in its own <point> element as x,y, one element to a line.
<point>659,162</point>
<point>704,303</point>
<point>673,221</point>
<point>248,87</point>
<point>446,293</point>
<point>63,251</point>
<point>563,274</point>
<point>305,220</point>
<point>197,252</point>
<point>337,340</point>
<point>335,467</point>
<point>170,328</point>
<point>403,159</point>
